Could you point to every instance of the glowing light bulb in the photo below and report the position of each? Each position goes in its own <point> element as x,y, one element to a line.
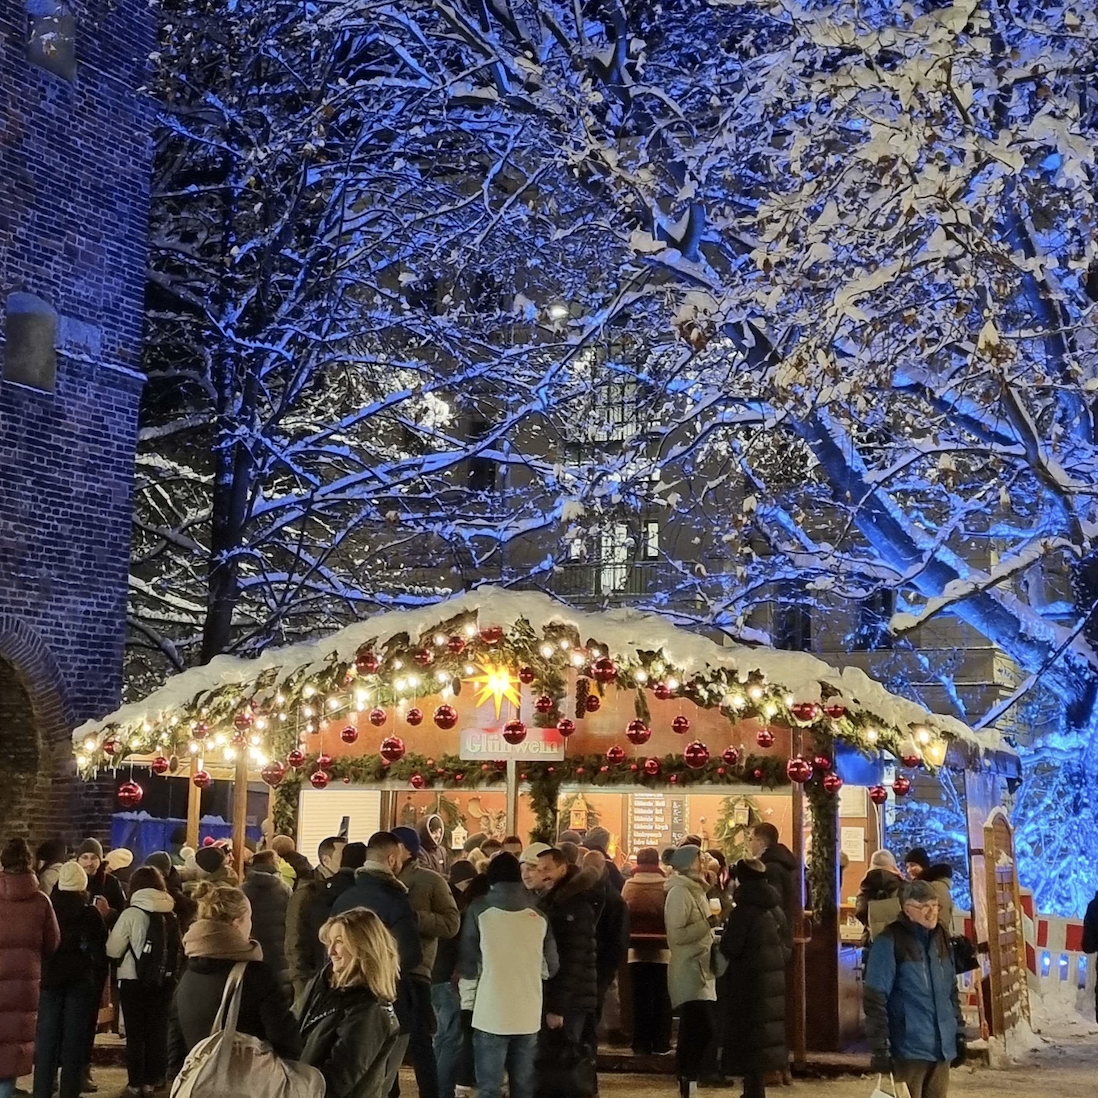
<point>308,711</point>
<point>81,760</point>
<point>333,703</point>
<point>413,681</point>
<point>871,735</point>
<point>230,754</point>
<point>261,723</point>
<point>400,684</point>
<point>770,709</point>
<point>470,630</point>
<point>565,643</point>
<point>577,660</point>
<point>282,716</point>
<point>309,727</point>
<point>192,747</point>
<point>398,664</point>
<point>788,699</point>
<point>309,691</point>
<point>547,650</point>
<point>672,684</point>
<point>146,727</point>
<point>923,735</point>
<point>281,699</point>
<point>361,698</point>
<point>442,677</point>
<point>755,693</point>
<point>220,740</point>
<point>89,745</point>
<point>641,676</point>
<point>440,640</point>
<point>470,669</point>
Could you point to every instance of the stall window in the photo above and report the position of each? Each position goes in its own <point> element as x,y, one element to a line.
<point>30,342</point>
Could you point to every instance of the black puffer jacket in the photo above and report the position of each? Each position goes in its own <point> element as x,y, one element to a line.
<point>83,948</point>
<point>753,995</point>
<point>349,1036</point>
<point>611,931</point>
<point>269,898</point>
<point>570,906</point>
<point>781,872</point>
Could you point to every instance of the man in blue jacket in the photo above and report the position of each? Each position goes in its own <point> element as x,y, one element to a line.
<point>912,1011</point>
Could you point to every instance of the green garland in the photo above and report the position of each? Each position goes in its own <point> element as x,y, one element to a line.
<point>823,864</point>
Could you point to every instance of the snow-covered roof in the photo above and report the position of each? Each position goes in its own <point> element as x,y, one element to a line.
<point>622,632</point>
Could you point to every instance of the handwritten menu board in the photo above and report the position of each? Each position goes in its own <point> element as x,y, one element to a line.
<point>656,819</point>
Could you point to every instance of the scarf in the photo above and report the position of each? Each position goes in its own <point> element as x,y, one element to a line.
<point>208,938</point>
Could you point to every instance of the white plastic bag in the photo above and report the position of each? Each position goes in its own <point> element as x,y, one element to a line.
<point>899,1090</point>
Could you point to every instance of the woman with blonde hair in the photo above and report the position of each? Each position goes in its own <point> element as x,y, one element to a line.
<point>346,1012</point>
<point>219,938</point>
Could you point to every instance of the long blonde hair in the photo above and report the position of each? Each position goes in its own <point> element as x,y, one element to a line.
<point>220,902</point>
<point>374,958</point>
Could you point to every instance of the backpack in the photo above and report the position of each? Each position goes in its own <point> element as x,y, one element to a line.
<point>228,1064</point>
<point>159,962</point>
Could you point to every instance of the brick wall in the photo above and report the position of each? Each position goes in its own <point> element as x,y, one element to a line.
<point>74,172</point>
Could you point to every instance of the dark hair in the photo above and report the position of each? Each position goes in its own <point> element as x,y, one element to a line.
<point>462,870</point>
<point>570,851</point>
<point>353,857</point>
<point>382,842</point>
<point>917,856</point>
<point>490,846</point>
<point>147,876</point>
<point>16,856</point>
<point>51,852</point>
<point>178,836</point>
<point>766,831</point>
<point>648,855</point>
<point>513,840</point>
<point>328,847</point>
<point>692,840</point>
<point>555,855</point>
<point>718,857</point>
<point>265,857</point>
<point>504,869</point>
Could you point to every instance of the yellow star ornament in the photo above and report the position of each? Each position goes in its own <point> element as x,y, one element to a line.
<point>495,683</point>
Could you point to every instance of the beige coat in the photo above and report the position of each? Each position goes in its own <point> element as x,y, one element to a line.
<point>686,913</point>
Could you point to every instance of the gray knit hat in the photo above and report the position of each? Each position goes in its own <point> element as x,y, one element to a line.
<point>682,858</point>
<point>90,846</point>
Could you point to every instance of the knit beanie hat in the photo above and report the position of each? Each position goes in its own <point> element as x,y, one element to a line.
<point>120,858</point>
<point>504,869</point>
<point>210,859</point>
<point>882,859</point>
<point>917,856</point>
<point>462,871</point>
<point>598,838</point>
<point>90,846</point>
<point>161,860</point>
<point>72,878</point>
<point>682,858</point>
<point>408,839</point>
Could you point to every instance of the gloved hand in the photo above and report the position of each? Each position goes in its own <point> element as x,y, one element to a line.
<point>881,1063</point>
<point>962,1053</point>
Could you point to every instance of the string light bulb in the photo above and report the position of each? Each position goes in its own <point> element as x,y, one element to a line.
<point>641,675</point>
<point>547,651</point>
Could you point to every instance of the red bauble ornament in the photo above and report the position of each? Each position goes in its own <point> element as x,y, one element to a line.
<point>637,732</point>
<point>604,770</point>
<point>901,786</point>
<point>757,774</point>
<point>491,634</point>
<point>764,737</point>
<point>681,724</point>
<point>514,731</point>
<point>615,755</point>
<point>273,773</point>
<point>730,756</point>
<point>367,661</point>
<point>414,716</point>
<point>835,710</point>
<point>673,779</point>
<point>240,735</point>
<point>805,712</point>
<point>349,734</point>
<point>720,771</point>
<point>202,779</point>
<point>377,717</point>
<point>243,719</point>
<point>201,730</point>
<point>910,761</point>
<point>633,767</point>
<point>130,794</point>
<point>423,656</point>
<point>604,669</point>
<point>323,760</point>
<point>320,779</point>
<point>651,767</point>
<point>346,781</point>
<point>416,781</point>
<point>455,646</point>
<point>526,675</point>
<point>798,770</point>
<point>446,716</point>
<point>112,747</point>
<point>296,758</point>
<point>662,691</point>
<point>160,765</point>
<point>592,703</point>
<point>392,749</point>
<point>459,777</point>
<point>544,704</point>
<point>821,763</point>
<point>695,755</point>
<point>566,726</point>
<point>878,794</point>
<point>832,782</point>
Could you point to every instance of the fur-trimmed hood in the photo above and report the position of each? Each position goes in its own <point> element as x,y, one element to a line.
<point>939,872</point>
<point>577,882</point>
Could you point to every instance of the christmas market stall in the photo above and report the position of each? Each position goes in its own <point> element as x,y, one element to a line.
<point>507,713</point>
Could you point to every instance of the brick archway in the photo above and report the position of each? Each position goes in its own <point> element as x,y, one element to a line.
<point>37,792</point>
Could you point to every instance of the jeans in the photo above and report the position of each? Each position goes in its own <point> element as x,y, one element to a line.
<point>496,1053</point>
<point>448,1036</point>
<point>64,1014</point>
<point>695,1033</point>
<point>7,1088</point>
<point>651,1007</point>
<point>146,1011</point>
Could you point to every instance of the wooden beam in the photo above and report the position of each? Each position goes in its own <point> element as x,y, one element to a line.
<point>800,938</point>
<point>194,805</point>
<point>240,810</point>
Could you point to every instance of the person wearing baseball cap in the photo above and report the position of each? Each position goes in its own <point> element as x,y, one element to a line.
<point>530,867</point>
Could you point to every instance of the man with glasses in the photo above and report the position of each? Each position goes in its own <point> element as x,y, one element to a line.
<point>912,1010</point>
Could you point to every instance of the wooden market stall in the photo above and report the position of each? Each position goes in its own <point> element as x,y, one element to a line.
<point>506,711</point>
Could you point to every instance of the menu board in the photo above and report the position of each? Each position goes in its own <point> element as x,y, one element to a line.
<point>656,819</point>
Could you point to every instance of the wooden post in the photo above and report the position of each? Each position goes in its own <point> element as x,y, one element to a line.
<point>800,938</point>
<point>240,810</point>
<point>512,796</point>
<point>194,805</point>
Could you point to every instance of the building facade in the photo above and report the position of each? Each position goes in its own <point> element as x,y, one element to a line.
<point>74,195</point>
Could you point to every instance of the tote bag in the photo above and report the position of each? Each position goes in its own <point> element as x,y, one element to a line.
<point>228,1064</point>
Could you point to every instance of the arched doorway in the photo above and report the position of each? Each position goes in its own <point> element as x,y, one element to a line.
<point>19,748</point>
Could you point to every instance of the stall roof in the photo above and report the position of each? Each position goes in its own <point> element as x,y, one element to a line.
<point>627,635</point>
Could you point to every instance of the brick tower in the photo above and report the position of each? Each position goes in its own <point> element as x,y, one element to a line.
<point>74,192</point>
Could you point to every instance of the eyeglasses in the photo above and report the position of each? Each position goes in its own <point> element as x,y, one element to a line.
<point>927,907</point>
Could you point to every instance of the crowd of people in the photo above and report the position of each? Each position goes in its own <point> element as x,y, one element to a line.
<point>488,968</point>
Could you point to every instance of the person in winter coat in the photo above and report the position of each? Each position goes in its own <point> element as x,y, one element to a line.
<point>940,878</point>
<point>507,947</point>
<point>351,861</point>
<point>269,896</point>
<point>69,999</point>
<point>438,917</point>
<point>292,864</point>
<point>648,955</point>
<point>432,854</point>
<point>145,1006</point>
<point>119,863</point>
<point>449,1035</point>
<point>376,887</point>
<point>569,903</point>
<point>219,938</point>
<point>878,902</point>
<point>781,868</point>
<point>754,943</point>
<point>48,859</point>
<point>346,1015</point>
<point>104,889</point>
<point>912,1012</point>
<point>211,865</point>
<point>611,935</point>
<point>28,934</point>
<point>916,862</point>
<point>301,944</point>
<point>185,907</point>
<point>1090,939</point>
<point>690,979</point>
<point>598,838</point>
